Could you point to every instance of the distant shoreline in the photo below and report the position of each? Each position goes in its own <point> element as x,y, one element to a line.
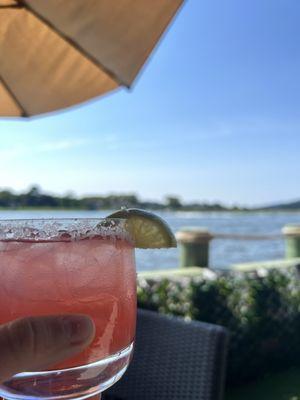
<point>35,199</point>
<point>246,211</point>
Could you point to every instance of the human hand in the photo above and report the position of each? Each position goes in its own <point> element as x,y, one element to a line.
<point>31,344</point>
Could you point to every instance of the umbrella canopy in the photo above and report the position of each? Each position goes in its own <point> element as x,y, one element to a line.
<point>57,53</point>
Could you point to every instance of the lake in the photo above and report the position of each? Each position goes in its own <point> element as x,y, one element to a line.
<point>223,252</point>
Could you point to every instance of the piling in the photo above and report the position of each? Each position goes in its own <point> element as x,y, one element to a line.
<point>292,240</point>
<point>194,247</point>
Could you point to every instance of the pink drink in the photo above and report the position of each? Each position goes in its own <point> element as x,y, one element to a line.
<point>94,277</point>
<point>86,269</point>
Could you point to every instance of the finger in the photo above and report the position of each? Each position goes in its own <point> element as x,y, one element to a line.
<point>33,343</point>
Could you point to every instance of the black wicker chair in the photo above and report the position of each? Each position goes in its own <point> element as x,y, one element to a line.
<point>174,359</point>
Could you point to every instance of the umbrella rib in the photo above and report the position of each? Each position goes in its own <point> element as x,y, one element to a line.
<point>11,6</point>
<point>73,44</point>
<point>24,113</point>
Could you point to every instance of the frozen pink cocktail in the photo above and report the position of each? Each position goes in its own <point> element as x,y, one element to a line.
<point>72,266</point>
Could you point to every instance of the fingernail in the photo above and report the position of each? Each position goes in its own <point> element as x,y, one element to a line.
<point>79,328</point>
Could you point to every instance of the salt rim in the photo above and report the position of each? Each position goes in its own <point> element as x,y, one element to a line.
<point>72,229</point>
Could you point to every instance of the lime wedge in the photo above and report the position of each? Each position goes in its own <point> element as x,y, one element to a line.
<point>147,230</point>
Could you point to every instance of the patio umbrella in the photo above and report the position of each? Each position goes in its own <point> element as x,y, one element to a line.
<point>57,53</point>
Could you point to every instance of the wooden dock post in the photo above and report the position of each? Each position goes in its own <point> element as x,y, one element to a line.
<point>194,247</point>
<point>292,240</point>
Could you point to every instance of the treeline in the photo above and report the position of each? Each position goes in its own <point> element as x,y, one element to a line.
<point>36,198</point>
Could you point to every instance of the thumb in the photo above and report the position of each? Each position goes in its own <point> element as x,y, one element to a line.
<point>36,342</point>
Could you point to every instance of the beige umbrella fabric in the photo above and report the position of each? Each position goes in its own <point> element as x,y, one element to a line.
<point>57,53</point>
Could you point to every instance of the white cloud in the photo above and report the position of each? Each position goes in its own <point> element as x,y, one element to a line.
<point>24,150</point>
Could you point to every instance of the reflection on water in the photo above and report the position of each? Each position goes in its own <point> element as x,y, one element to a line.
<point>223,251</point>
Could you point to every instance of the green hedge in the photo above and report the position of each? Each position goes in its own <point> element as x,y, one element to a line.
<point>261,310</point>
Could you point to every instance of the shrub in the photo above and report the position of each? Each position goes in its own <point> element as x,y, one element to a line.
<point>260,309</point>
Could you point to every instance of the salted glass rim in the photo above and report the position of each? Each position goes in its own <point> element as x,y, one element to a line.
<point>70,229</point>
<point>62,219</point>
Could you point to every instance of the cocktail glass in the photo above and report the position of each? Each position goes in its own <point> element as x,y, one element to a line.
<point>63,266</point>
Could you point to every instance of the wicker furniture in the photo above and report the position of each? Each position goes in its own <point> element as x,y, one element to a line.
<point>174,359</point>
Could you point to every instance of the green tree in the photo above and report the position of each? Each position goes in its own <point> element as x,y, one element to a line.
<point>173,202</point>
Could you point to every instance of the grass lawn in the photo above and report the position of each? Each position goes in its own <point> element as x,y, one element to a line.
<point>279,386</point>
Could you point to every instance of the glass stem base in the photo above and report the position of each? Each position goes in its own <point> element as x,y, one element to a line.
<point>79,383</point>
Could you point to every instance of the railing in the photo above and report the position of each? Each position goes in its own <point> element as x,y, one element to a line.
<point>245,237</point>
<point>194,243</point>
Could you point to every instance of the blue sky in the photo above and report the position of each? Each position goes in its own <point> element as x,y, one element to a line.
<point>215,115</point>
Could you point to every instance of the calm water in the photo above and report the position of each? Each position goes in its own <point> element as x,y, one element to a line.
<point>223,251</point>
